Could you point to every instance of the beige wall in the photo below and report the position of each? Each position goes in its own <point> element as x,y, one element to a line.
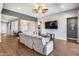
<point>61,32</point>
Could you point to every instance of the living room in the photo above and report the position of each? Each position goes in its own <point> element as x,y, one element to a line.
<point>49,31</point>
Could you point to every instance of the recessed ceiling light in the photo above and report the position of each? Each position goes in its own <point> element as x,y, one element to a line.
<point>19,8</point>
<point>62,6</point>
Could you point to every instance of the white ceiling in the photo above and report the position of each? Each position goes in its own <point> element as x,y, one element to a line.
<point>7,18</point>
<point>26,8</point>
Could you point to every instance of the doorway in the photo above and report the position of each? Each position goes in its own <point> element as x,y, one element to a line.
<point>72,27</point>
<point>12,27</point>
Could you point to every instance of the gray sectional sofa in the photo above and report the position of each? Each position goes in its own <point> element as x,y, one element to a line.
<point>38,43</point>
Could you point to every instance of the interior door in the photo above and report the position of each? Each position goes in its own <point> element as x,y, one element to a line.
<point>72,27</point>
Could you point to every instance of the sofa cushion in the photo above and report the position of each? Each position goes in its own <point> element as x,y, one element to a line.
<point>45,40</point>
<point>38,45</point>
<point>26,39</point>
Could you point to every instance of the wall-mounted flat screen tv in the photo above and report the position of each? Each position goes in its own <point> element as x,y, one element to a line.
<point>51,25</point>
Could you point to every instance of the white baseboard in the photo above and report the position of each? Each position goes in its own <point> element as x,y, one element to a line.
<point>60,38</point>
<point>0,38</point>
<point>74,38</point>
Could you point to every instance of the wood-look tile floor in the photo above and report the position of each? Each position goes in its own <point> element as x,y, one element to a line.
<point>10,46</point>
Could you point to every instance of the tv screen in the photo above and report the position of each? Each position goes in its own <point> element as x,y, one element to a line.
<point>51,25</point>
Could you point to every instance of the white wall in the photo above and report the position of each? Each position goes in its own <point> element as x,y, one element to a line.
<point>1,5</point>
<point>8,28</point>
<point>28,26</point>
<point>61,32</point>
<point>3,28</point>
<point>24,25</point>
<point>78,24</point>
<point>0,27</point>
<point>0,24</point>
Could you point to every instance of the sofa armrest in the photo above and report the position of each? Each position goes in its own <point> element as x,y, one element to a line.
<point>48,48</point>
